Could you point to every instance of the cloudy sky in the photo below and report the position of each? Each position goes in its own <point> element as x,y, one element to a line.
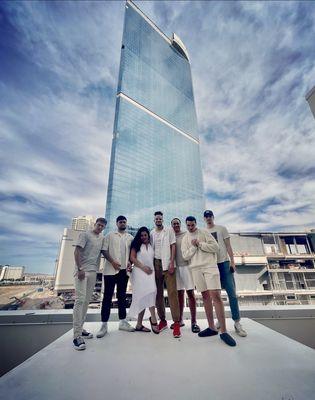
<point>252,64</point>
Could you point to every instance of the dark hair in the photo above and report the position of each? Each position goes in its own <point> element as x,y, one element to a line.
<point>158,213</point>
<point>136,243</point>
<point>102,220</point>
<point>177,220</point>
<point>121,218</point>
<point>191,219</point>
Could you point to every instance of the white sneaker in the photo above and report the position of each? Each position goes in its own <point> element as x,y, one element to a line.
<point>102,332</point>
<point>78,343</point>
<point>125,326</point>
<point>87,335</point>
<point>239,329</point>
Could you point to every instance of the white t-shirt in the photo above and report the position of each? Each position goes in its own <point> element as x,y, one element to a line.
<point>92,245</point>
<point>167,238</point>
<point>180,261</point>
<point>118,246</point>
<point>157,245</point>
<point>220,233</point>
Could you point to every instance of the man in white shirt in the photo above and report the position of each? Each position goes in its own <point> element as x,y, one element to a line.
<point>184,278</point>
<point>116,250</point>
<point>163,241</point>
<point>226,265</point>
<point>200,248</point>
<point>87,256</point>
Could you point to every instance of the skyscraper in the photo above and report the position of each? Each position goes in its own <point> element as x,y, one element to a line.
<point>310,98</point>
<point>155,159</point>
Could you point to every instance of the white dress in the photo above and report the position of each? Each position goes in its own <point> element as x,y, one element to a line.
<point>143,285</point>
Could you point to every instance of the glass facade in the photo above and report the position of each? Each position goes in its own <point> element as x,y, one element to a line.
<point>155,159</point>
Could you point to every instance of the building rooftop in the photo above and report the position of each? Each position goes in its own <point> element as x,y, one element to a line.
<point>265,365</point>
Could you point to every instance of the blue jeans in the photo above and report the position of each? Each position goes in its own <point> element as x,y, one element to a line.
<point>228,283</point>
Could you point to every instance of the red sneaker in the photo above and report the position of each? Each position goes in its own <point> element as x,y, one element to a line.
<point>162,325</point>
<point>176,331</point>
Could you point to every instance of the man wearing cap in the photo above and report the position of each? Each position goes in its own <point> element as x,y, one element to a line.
<point>116,250</point>
<point>200,248</point>
<point>226,266</point>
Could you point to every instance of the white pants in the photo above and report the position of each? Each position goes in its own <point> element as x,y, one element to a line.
<point>83,293</point>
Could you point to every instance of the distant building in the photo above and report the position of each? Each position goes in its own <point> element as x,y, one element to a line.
<point>10,273</point>
<point>38,279</point>
<point>83,223</point>
<point>275,268</point>
<point>310,98</point>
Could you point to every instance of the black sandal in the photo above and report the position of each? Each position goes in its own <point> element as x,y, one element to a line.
<point>195,328</point>
<point>154,327</point>
<point>142,329</point>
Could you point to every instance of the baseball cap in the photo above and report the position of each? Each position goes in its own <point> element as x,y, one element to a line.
<point>208,213</point>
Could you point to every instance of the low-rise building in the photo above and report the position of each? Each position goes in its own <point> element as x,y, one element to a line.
<point>11,273</point>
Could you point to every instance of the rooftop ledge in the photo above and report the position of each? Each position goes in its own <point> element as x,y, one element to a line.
<point>122,365</point>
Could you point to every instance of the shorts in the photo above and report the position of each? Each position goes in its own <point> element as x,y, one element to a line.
<point>206,278</point>
<point>184,279</point>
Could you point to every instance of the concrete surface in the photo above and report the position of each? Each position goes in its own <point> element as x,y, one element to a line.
<point>264,366</point>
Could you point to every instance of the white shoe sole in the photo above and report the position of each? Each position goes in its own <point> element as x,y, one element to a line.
<point>126,329</point>
<point>79,348</point>
<point>101,334</point>
<point>88,337</point>
<point>241,334</point>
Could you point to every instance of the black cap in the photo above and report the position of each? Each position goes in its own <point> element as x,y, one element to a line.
<point>208,213</point>
<point>121,218</point>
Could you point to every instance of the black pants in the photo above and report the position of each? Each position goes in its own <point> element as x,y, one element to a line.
<point>121,280</point>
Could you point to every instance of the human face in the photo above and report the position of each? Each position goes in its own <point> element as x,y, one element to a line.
<point>158,220</point>
<point>209,220</point>
<point>98,227</point>
<point>176,225</point>
<point>191,226</point>
<point>122,224</point>
<point>144,237</point>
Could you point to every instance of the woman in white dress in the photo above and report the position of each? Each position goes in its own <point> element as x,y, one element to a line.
<point>143,280</point>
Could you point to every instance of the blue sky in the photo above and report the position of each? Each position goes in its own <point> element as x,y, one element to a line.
<point>252,64</point>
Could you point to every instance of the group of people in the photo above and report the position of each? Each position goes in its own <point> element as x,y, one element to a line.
<point>200,259</point>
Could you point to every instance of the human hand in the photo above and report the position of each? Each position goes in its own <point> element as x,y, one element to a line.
<point>116,265</point>
<point>147,270</point>
<point>171,268</point>
<point>129,267</point>
<point>232,266</point>
<point>81,275</point>
<point>195,242</point>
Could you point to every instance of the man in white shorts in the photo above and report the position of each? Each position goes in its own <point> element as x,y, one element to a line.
<point>200,248</point>
<point>184,279</point>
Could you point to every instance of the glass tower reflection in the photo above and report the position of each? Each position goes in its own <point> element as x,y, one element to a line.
<point>155,159</point>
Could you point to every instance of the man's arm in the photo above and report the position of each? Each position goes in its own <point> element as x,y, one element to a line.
<point>78,258</point>
<point>188,250</point>
<point>105,252</point>
<point>171,267</point>
<point>229,250</point>
<point>116,265</point>
<point>210,245</point>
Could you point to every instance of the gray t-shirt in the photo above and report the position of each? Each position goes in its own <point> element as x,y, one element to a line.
<point>92,245</point>
<point>220,233</point>
<point>180,262</point>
